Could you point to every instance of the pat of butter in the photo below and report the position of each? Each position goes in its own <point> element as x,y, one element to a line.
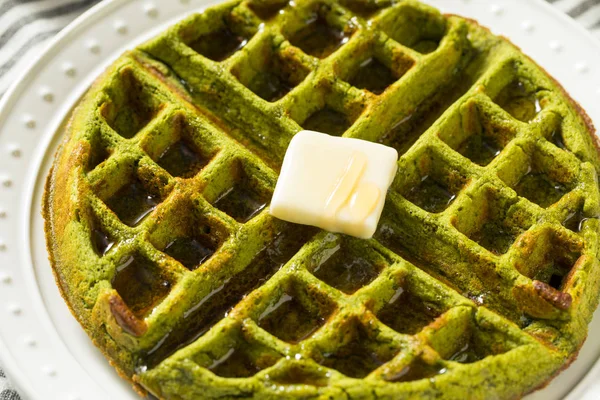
<point>337,184</point>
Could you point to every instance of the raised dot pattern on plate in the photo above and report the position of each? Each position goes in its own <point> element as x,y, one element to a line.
<point>31,122</point>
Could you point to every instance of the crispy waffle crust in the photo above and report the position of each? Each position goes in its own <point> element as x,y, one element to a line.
<point>482,277</point>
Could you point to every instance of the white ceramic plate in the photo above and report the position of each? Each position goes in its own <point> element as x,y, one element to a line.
<point>43,349</point>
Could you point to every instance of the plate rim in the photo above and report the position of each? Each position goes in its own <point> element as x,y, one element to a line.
<point>14,373</point>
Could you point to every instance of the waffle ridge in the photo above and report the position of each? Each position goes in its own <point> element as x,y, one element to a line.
<point>481,278</point>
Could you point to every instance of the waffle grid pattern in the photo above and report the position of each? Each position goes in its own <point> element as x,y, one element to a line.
<point>495,208</point>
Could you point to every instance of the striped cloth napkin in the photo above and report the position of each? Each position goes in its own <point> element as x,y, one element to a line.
<point>26,26</point>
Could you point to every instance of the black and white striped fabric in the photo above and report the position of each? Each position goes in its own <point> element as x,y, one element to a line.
<point>26,26</point>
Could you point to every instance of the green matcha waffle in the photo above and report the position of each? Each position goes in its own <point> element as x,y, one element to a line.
<point>483,274</point>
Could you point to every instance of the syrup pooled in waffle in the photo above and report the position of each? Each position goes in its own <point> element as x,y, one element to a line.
<point>481,279</point>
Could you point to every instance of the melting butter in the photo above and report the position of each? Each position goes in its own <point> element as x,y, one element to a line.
<point>364,200</point>
<point>345,185</point>
<point>337,184</point>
